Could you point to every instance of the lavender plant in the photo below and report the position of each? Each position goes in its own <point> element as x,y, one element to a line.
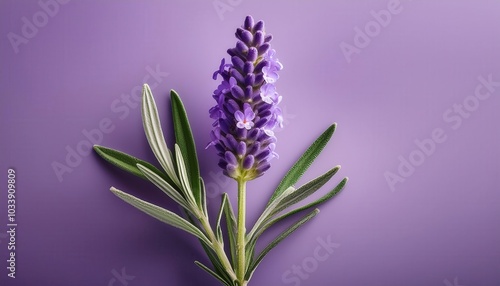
<point>245,116</point>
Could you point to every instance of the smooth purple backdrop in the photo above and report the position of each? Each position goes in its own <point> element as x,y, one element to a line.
<point>437,227</point>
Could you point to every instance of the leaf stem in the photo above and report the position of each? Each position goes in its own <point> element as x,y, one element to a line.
<point>240,242</point>
<point>217,247</point>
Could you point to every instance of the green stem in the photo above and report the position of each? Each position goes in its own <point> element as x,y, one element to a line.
<point>217,247</point>
<point>240,242</point>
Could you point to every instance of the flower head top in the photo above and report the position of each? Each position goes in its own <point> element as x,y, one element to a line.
<point>247,112</point>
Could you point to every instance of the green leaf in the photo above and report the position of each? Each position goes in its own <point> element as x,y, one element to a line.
<point>203,197</point>
<point>126,162</point>
<point>211,272</point>
<point>219,268</point>
<point>154,133</point>
<point>161,214</point>
<point>219,217</point>
<point>185,140</point>
<point>305,191</point>
<point>315,203</point>
<point>164,186</point>
<point>304,162</point>
<point>269,223</point>
<point>181,169</point>
<point>269,211</point>
<point>277,240</point>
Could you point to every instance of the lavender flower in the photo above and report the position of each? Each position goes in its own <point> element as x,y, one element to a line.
<point>247,109</point>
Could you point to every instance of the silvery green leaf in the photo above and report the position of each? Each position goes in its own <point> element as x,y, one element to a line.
<point>183,177</point>
<point>211,272</point>
<point>305,191</point>
<point>269,211</point>
<point>304,162</point>
<point>164,186</point>
<point>127,162</point>
<point>219,217</point>
<point>277,240</point>
<point>161,214</point>
<point>315,203</point>
<point>203,197</point>
<point>154,133</point>
<point>219,268</point>
<point>184,138</point>
<point>263,227</point>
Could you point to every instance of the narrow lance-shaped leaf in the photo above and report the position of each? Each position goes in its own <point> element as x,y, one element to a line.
<point>168,189</point>
<point>161,214</point>
<point>315,203</point>
<point>154,133</point>
<point>269,210</point>
<point>184,138</point>
<point>304,162</point>
<point>305,191</point>
<point>181,169</point>
<point>219,217</point>
<point>127,162</point>
<point>277,240</point>
<point>211,272</point>
<point>219,268</point>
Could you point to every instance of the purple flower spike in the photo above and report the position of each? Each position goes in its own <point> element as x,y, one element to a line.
<point>247,112</point>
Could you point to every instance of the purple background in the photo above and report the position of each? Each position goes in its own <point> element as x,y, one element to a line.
<point>439,227</point>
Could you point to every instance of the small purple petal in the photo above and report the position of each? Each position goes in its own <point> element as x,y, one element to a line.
<point>259,79</point>
<point>261,122</point>
<point>246,37</point>
<point>250,79</point>
<point>252,54</point>
<point>263,166</point>
<point>248,92</point>
<point>237,75</point>
<point>241,133</point>
<point>253,148</point>
<point>238,63</point>
<point>248,68</point>
<point>237,92</point>
<point>263,155</point>
<point>260,65</point>
<point>248,162</point>
<point>248,23</point>
<point>253,134</point>
<point>232,106</point>
<point>263,49</point>
<point>268,38</point>
<point>242,148</point>
<point>232,143</point>
<point>230,158</point>
<point>249,114</point>
<point>258,38</point>
<point>259,26</point>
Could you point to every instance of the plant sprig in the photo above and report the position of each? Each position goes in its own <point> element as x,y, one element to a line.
<point>180,180</point>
